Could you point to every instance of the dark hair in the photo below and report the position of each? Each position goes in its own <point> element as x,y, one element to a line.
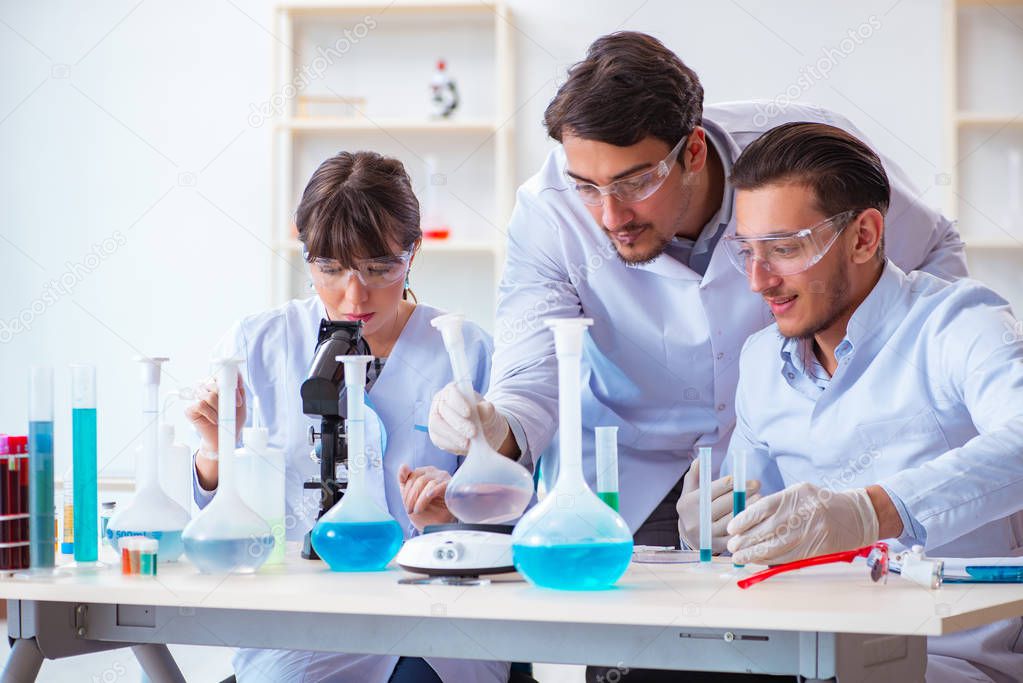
<point>843,172</point>
<point>357,205</point>
<point>629,87</point>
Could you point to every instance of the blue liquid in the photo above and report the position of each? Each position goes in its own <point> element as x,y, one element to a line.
<point>40,495</point>
<point>83,421</point>
<point>225,555</point>
<point>170,547</point>
<point>706,554</point>
<point>575,566</point>
<point>357,546</point>
<point>738,505</point>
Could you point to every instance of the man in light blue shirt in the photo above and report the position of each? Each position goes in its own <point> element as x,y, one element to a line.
<point>880,405</point>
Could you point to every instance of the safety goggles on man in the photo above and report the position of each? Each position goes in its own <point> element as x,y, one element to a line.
<point>373,273</point>
<point>877,563</point>
<point>631,189</point>
<point>787,253</point>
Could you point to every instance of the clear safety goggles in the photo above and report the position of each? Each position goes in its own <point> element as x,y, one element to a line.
<point>877,562</point>
<point>634,188</point>
<point>372,273</point>
<point>787,253</point>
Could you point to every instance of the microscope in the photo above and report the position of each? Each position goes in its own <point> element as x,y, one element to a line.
<point>321,397</point>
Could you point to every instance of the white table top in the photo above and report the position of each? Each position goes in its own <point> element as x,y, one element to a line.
<point>834,598</point>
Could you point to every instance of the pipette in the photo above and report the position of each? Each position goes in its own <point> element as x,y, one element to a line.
<point>488,488</point>
<point>706,539</point>
<point>738,487</point>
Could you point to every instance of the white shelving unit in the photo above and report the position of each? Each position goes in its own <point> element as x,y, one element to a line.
<point>376,59</point>
<point>984,60</point>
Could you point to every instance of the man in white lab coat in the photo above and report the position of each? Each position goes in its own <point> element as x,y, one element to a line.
<point>881,404</point>
<point>622,224</point>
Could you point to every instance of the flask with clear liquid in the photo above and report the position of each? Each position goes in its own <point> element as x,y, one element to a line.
<point>227,536</point>
<point>487,488</point>
<point>151,512</point>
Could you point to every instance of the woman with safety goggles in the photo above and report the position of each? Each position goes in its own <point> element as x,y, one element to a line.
<point>358,222</point>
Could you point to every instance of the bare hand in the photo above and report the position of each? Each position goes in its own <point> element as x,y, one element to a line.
<point>422,492</point>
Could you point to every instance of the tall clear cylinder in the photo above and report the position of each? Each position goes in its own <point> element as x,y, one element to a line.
<point>607,465</point>
<point>83,425</point>
<point>40,454</point>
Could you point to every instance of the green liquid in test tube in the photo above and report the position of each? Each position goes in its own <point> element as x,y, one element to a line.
<point>607,465</point>
<point>83,423</point>
<point>40,457</point>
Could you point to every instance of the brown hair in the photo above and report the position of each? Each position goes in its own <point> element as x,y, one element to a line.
<point>628,87</point>
<point>357,205</point>
<point>843,172</point>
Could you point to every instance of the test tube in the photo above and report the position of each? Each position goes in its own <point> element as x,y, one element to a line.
<point>738,487</point>
<point>83,423</point>
<point>40,484</point>
<point>607,465</point>
<point>706,540</point>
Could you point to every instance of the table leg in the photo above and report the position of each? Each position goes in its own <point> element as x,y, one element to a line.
<point>158,663</point>
<point>23,663</point>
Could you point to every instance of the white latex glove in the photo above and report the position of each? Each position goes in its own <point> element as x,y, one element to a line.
<point>688,507</point>
<point>802,521</point>
<point>451,428</point>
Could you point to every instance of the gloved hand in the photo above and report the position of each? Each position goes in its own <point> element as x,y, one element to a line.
<point>802,521</point>
<point>688,507</point>
<point>451,428</point>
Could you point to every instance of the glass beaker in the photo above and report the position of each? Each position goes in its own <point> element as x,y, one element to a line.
<point>151,512</point>
<point>356,535</point>
<point>228,535</point>
<point>487,488</point>
<point>571,540</point>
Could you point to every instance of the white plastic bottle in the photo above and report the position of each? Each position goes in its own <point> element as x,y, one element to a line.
<point>260,474</point>
<point>175,466</point>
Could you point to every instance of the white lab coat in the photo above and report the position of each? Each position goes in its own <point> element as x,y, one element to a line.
<point>278,347</point>
<point>661,361</point>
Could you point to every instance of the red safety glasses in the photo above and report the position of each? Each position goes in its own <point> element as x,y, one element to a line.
<point>876,554</point>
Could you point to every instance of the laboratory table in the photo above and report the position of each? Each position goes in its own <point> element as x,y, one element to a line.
<point>824,623</point>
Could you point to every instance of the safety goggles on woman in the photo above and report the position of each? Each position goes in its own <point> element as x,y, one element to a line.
<point>372,273</point>
<point>631,189</point>
<point>787,253</point>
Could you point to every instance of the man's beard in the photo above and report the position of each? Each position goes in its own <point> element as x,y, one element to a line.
<point>838,305</point>
<point>662,243</point>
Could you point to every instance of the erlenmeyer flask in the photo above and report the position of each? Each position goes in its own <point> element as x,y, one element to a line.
<point>488,488</point>
<point>228,535</point>
<point>151,512</point>
<point>356,535</point>
<point>571,540</point>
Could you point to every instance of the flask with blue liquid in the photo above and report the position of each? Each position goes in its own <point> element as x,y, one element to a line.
<point>357,535</point>
<point>571,540</point>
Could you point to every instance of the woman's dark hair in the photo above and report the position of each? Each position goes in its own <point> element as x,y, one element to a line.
<point>629,87</point>
<point>358,205</point>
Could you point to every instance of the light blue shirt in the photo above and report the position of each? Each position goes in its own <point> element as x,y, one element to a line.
<point>926,401</point>
<point>798,358</point>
